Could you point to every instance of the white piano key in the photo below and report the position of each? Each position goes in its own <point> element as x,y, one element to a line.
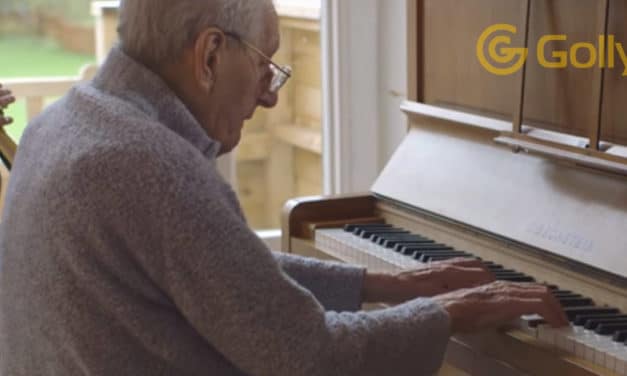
<point>523,324</point>
<point>565,339</point>
<point>610,360</point>
<point>620,367</point>
<point>580,348</point>
<point>546,334</point>
<point>603,345</point>
<point>589,355</point>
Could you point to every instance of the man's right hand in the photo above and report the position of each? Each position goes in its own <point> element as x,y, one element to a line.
<point>500,303</point>
<point>6,98</point>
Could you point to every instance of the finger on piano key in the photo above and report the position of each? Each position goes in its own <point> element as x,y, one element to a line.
<point>580,342</point>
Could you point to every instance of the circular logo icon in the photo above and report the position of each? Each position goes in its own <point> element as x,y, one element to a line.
<point>499,50</point>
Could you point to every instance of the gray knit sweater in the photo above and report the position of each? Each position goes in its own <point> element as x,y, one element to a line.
<point>123,252</point>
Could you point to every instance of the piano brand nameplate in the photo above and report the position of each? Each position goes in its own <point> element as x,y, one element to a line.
<point>463,175</point>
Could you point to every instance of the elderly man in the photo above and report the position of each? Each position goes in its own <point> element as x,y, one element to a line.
<point>6,98</point>
<point>123,252</point>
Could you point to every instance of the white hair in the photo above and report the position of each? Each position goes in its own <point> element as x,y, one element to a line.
<point>157,31</point>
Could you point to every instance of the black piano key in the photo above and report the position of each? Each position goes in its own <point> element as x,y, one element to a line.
<point>444,257</point>
<point>573,312</point>
<point>575,302</point>
<point>564,293</point>
<point>359,228</point>
<point>367,233</point>
<point>570,296</point>
<point>408,237</point>
<point>389,234</point>
<point>392,243</point>
<point>352,226</point>
<point>620,336</point>
<point>513,277</point>
<point>493,266</point>
<point>399,247</point>
<point>526,279</point>
<point>439,256</point>
<point>610,329</point>
<point>372,227</point>
<point>582,320</point>
<point>433,252</point>
<point>594,323</point>
<point>428,247</point>
<point>504,271</point>
<point>381,239</point>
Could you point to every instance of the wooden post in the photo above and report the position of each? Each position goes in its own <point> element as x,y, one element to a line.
<point>106,17</point>
<point>34,106</point>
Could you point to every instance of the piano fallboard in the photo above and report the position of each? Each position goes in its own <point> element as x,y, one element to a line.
<point>461,174</point>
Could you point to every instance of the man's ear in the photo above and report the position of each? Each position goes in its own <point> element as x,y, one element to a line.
<point>206,57</point>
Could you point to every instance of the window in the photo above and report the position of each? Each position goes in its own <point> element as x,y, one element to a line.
<point>280,155</point>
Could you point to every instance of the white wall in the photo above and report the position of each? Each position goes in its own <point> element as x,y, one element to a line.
<point>365,70</point>
<point>392,70</point>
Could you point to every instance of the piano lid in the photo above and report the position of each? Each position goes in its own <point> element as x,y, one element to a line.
<point>460,173</point>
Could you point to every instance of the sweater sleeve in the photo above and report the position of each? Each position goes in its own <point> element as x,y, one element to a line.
<point>178,220</point>
<point>336,286</point>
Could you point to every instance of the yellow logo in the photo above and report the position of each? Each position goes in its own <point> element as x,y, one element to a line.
<point>511,59</point>
<point>499,51</point>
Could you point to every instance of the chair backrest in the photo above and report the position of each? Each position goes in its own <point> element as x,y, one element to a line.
<point>8,148</point>
<point>4,183</point>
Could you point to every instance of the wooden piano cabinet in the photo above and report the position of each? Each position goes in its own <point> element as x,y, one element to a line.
<point>301,216</point>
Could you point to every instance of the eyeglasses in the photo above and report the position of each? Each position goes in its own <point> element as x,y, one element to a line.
<point>280,74</point>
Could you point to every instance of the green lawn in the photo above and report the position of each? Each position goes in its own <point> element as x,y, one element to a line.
<point>34,57</point>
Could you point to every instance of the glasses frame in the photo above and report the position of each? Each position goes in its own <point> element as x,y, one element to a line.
<point>281,74</point>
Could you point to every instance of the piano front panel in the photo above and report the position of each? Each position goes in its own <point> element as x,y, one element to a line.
<point>452,73</point>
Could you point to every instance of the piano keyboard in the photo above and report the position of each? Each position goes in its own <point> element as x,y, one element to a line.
<point>597,334</point>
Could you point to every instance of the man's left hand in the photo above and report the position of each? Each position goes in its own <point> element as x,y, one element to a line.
<point>434,279</point>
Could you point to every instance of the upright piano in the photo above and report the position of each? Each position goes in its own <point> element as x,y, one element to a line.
<point>525,168</point>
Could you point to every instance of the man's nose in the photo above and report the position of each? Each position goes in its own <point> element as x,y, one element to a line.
<point>268,99</point>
